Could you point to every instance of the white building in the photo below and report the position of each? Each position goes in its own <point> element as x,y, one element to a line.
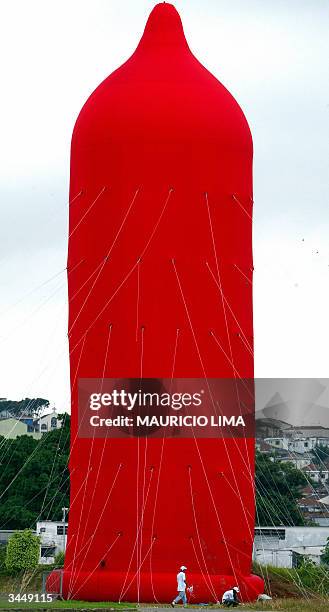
<point>49,422</point>
<point>317,474</point>
<point>12,428</point>
<point>279,443</point>
<point>277,558</point>
<point>302,445</point>
<point>281,545</point>
<point>53,539</point>
<point>298,444</point>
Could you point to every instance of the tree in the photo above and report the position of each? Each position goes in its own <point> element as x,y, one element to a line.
<point>22,551</point>
<point>25,407</point>
<point>278,488</point>
<point>34,479</point>
<point>320,453</point>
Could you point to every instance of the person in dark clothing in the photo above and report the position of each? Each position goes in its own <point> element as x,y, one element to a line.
<point>230,598</point>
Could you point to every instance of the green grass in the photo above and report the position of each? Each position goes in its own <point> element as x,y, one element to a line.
<point>67,605</point>
<point>314,604</point>
<point>304,582</point>
<point>302,590</point>
<point>32,583</point>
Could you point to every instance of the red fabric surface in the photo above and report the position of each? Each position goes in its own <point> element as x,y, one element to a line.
<point>158,152</point>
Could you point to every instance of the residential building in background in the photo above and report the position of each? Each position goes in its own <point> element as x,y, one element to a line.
<point>297,446</point>
<point>12,427</point>
<point>53,539</point>
<point>48,422</point>
<point>287,546</point>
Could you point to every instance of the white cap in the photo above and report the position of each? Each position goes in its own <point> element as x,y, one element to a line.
<point>183,567</point>
<point>236,589</point>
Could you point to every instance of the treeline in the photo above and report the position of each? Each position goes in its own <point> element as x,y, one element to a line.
<point>278,488</point>
<point>34,478</point>
<point>34,482</point>
<point>27,407</point>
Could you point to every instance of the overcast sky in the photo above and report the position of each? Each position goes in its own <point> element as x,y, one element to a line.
<point>273,57</point>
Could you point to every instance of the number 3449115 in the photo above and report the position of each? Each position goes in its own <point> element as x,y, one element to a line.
<point>29,597</point>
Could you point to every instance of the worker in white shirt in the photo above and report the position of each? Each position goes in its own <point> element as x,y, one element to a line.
<point>181,587</point>
<point>230,598</point>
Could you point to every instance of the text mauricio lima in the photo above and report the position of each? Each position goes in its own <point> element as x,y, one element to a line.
<point>168,421</point>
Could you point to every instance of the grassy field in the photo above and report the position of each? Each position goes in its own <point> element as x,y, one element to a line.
<point>66,605</point>
<point>284,605</point>
<point>32,583</point>
<point>314,604</point>
<point>285,586</point>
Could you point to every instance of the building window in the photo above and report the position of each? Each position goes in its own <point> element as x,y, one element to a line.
<point>60,530</point>
<point>53,423</point>
<point>43,426</point>
<point>48,551</point>
<point>306,444</point>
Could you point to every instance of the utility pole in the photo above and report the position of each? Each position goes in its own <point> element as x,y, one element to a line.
<point>65,510</point>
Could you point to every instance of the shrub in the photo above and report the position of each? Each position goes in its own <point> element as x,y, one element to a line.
<point>22,551</point>
<point>314,577</point>
<point>59,559</point>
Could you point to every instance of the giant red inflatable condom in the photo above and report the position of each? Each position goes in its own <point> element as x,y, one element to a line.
<point>160,287</point>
